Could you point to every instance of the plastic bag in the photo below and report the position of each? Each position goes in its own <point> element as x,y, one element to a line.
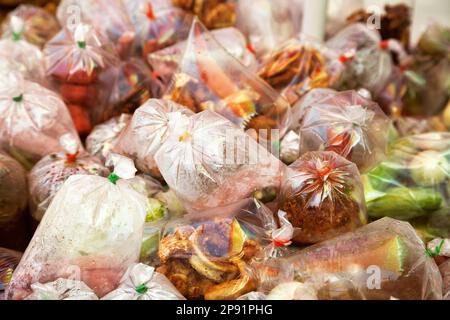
<point>61,289</point>
<point>348,124</point>
<point>107,16</point>
<point>9,260</point>
<point>39,25</point>
<point>20,55</point>
<point>211,78</point>
<point>104,136</point>
<point>32,119</point>
<point>267,24</point>
<point>158,24</point>
<point>413,181</point>
<point>146,132</point>
<point>208,162</point>
<point>81,65</point>
<point>206,255</point>
<point>91,232</point>
<point>213,14</point>
<point>164,63</point>
<point>49,174</point>
<point>323,197</point>
<point>142,282</point>
<point>298,66</point>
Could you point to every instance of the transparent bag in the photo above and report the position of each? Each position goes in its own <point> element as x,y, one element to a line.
<point>91,232</point>
<point>61,289</point>
<point>39,25</point>
<point>348,124</point>
<point>142,282</point>
<point>208,162</point>
<point>323,197</point>
<point>206,255</point>
<point>210,78</point>
<point>81,65</point>
<point>146,132</point>
<point>48,175</point>
<point>413,181</point>
<point>9,260</point>
<point>32,119</point>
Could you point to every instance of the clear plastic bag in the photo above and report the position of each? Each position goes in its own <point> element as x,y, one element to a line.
<point>61,289</point>
<point>91,232</point>
<point>81,64</point>
<point>208,162</point>
<point>383,260</point>
<point>32,118</point>
<point>267,24</point>
<point>146,132</point>
<point>158,24</point>
<point>20,55</point>
<point>108,16</point>
<point>323,197</point>
<point>49,174</point>
<point>142,282</point>
<point>104,136</point>
<point>206,255</point>
<point>39,25</point>
<point>164,63</point>
<point>210,78</point>
<point>9,260</point>
<point>413,181</point>
<point>348,124</point>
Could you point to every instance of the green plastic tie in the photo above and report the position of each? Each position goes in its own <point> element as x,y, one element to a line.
<point>18,98</point>
<point>141,289</point>
<point>81,44</point>
<point>436,252</point>
<point>113,178</point>
<point>16,36</point>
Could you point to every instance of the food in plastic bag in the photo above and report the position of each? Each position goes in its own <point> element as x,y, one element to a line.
<point>435,40</point>
<point>81,65</point>
<point>142,282</point>
<point>414,179</point>
<point>20,55</point>
<point>267,24</point>
<point>39,25</point>
<point>61,289</point>
<point>147,131</point>
<point>9,260</point>
<point>211,78</point>
<point>348,124</point>
<point>367,63</point>
<point>214,14</point>
<point>32,118</point>
<point>49,174</point>
<point>206,255</point>
<point>323,197</point>
<point>444,268</point>
<point>107,16</point>
<point>208,162</point>
<point>91,232</point>
<point>299,66</point>
<point>285,291</point>
<point>164,63</point>
<point>104,136</point>
<point>376,262</point>
<point>13,203</point>
<point>158,24</point>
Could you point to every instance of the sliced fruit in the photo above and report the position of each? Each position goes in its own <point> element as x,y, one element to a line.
<point>237,238</point>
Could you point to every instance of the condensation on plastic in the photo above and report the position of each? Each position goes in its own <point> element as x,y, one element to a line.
<point>142,282</point>
<point>208,162</point>
<point>209,77</point>
<point>61,289</point>
<point>104,136</point>
<point>49,174</point>
<point>348,124</point>
<point>206,254</point>
<point>323,197</point>
<point>378,261</point>
<point>39,25</point>
<point>147,131</point>
<point>413,181</point>
<point>108,16</point>
<point>268,24</point>
<point>91,232</point>
<point>32,119</point>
